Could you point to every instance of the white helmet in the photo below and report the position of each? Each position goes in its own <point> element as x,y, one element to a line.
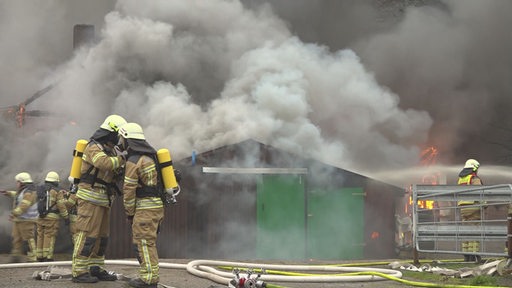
<point>132,131</point>
<point>472,163</point>
<point>52,176</point>
<point>113,122</point>
<point>23,177</point>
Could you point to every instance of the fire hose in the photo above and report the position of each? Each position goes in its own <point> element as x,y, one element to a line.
<point>336,273</point>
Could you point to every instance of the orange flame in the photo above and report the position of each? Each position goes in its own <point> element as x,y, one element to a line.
<point>428,157</point>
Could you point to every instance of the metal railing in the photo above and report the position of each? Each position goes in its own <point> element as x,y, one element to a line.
<point>441,229</point>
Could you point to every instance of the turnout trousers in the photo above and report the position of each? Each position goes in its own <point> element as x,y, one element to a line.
<point>470,214</point>
<point>92,232</point>
<point>23,233</point>
<point>72,226</point>
<point>145,227</point>
<point>46,233</point>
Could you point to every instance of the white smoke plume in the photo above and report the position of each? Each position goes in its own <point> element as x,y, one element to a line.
<point>364,93</point>
<point>197,75</point>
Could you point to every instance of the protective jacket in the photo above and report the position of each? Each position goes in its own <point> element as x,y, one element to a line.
<point>468,177</point>
<point>141,187</point>
<point>99,168</point>
<point>25,204</point>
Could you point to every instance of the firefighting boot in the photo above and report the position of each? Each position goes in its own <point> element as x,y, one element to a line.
<point>138,283</point>
<point>101,274</point>
<point>85,278</point>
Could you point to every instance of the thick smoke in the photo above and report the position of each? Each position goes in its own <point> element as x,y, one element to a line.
<point>454,63</point>
<point>365,93</point>
<point>449,58</point>
<point>362,85</point>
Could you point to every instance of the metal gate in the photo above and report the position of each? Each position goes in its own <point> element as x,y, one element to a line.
<point>441,229</point>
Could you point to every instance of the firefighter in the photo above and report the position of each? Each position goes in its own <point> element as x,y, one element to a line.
<point>142,202</point>
<point>48,225</point>
<point>468,210</point>
<point>23,216</point>
<point>100,167</point>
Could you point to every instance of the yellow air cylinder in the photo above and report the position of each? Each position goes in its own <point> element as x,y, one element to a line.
<point>76,165</point>
<point>168,177</point>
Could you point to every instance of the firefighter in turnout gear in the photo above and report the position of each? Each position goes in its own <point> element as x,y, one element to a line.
<point>48,225</point>
<point>468,212</point>
<point>142,201</point>
<point>24,216</point>
<point>100,167</point>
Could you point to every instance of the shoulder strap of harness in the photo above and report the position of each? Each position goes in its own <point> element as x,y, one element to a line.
<point>49,188</point>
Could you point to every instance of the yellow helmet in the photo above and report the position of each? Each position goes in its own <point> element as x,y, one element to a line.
<point>472,163</point>
<point>23,177</point>
<point>113,122</point>
<point>132,131</point>
<point>52,176</point>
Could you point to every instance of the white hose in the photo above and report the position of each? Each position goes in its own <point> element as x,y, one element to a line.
<point>201,268</point>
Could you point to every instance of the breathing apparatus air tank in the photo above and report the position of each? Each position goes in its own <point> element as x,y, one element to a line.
<point>76,165</point>
<point>171,186</point>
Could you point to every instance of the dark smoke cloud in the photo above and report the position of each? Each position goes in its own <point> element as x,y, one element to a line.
<point>456,64</point>
<point>356,84</point>
<point>449,58</point>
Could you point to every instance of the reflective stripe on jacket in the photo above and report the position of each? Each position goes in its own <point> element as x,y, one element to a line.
<point>137,175</point>
<point>470,179</point>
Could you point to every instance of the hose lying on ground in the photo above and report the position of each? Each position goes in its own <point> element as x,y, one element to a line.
<point>334,273</point>
<point>201,268</point>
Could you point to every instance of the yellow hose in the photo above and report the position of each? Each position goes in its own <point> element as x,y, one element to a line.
<point>275,286</point>
<point>421,284</point>
<point>383,275</point>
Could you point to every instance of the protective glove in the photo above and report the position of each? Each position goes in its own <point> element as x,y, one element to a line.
<point>120,152</point>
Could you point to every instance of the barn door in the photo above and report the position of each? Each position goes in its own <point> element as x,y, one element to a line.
<point>281,217</point>
<point>335,224</point>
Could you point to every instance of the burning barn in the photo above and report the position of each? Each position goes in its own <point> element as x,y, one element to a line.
<point>252,201</point>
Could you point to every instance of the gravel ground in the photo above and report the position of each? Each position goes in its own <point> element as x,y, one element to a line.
<point>176,277</point>
<point>21,277</point>
<point>179,278</point>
